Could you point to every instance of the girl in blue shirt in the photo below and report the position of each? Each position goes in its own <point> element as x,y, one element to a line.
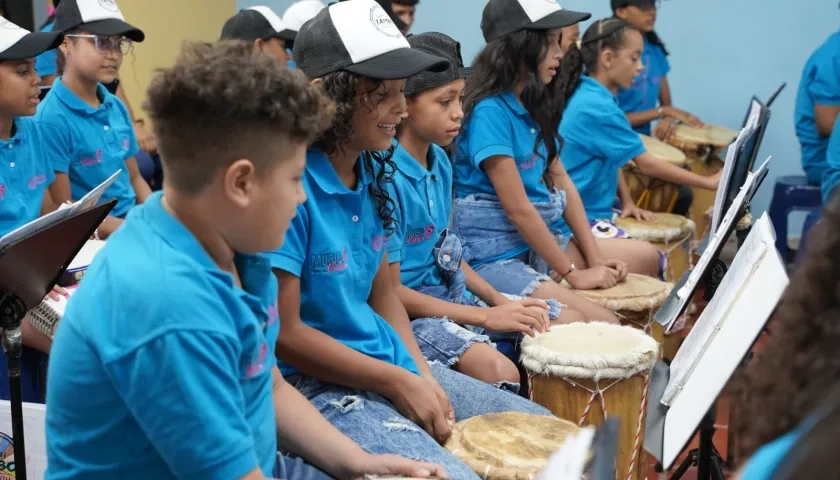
<point>88,132</point>
<point>512,191</point>
<point>346,341</point>
<point>598,139</point>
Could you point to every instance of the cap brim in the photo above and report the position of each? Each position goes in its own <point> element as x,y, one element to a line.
<point>464,72</point>
<point>399,63</point>
<point>560,19</point>
<point>31,45</point>
<point>287,35</point>
<point>111,27</point>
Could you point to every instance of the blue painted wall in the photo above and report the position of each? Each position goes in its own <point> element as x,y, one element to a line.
<point>722,52</point>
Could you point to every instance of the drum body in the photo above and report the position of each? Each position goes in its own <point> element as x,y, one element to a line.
<point>652,193</point>
<point>702,148</point>
<point>508,446</point>
<point>586,372</point>
<point>672,235</point>
<point>636,301</point>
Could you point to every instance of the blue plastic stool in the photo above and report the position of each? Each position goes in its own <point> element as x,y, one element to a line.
<point>811,220</point>
<point>791,193</point>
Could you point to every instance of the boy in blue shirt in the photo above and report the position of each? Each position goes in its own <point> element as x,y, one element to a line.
<point>146,384</point>
<point>346,340</point>
<point>831,177</point>
<point>264,29</point>
<point>88,132</point>
<point>25,174</point>
<point>817,106</point>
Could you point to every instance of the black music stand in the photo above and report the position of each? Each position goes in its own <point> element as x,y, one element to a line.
<point>605,451</point>
<point>31,261</point>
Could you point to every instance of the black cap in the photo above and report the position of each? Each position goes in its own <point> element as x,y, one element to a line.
<point>358,36</point>
<point>18,44</point>
<point>503,17</point>
<point>616,4</point>
<point>439,45</point>
<point>256,23</point>
<point>99,17</point>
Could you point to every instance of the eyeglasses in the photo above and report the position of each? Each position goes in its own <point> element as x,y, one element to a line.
<point>109,44</point>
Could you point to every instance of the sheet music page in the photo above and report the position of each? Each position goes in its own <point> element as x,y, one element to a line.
<point>60,305</point>
<point>91,199</point>
<point>569,462</point>
<point>734,282</point>
<point>728,167</point>
<point>755,113</point>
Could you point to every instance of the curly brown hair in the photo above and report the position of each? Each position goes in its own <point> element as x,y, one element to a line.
<point>222,102</point>
<point>790,376</point>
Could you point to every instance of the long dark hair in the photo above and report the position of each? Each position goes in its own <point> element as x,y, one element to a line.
<point>605,33</point>
<point>791,375</point>
<point>341,87</point>
<point>653,39</point>
<point>498,67</point>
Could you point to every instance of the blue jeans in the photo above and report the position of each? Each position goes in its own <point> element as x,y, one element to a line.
<point>374,423</point>
<point>295,468</point>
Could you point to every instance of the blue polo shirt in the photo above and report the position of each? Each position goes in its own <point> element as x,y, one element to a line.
<point>643,94</point>
<point>335,245</point>
<point>598,141</point>
<point>831,177</point>
<point>499,125</point>
<point>45,63</point>
<point>424,202</point>
<point>89,144</point>
<point>162,366</point>
<point>820,85</point>
<point>25,175</point>
<point>767,459</point>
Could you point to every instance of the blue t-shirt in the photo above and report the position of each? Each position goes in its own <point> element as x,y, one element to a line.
<point>820,84</point>
<point>424,202</point>
<point>89,144</point>
<point>831,177</point>
<point>335,246</point>
<point>597,141</point>
<point>643,94</point>
<point>499,125</point>
<point>767,459</point>
<point>162,366</point>
<point>45,63</point>
<point>25,175</point>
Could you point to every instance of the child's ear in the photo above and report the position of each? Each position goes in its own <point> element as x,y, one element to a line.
<point>317,81</point>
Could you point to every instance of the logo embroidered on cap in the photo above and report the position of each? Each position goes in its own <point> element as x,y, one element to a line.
<point>110,5</point>
<point>8,25</point>
<point>382,22</point>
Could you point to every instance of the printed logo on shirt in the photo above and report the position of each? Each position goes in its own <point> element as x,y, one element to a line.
<point>378,242</point>
<point>37,180</point>
<point>2,191</point>
<point>419,235</point>
<point>125,143</point>
<point>7,457</point>
<point>88,162</point>
<point>527,162</point>
<point>273,316</point>
<point>329,262</point>
<point>259,364</point>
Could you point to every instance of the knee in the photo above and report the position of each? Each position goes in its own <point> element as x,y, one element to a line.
<point>651,258</point>
<point>569,316</point>
<point>502,369</point>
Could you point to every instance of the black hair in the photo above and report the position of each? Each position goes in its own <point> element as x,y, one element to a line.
<point>51,18</point>
<point>651,37</point>
<point>407,3</point>
<point>583,60</point>
<point>341,86</point>
<point>498,67</point>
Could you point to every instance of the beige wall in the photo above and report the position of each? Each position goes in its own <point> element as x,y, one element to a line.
<point>166,23</point>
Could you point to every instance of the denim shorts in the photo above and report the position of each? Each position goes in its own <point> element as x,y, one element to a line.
<point>295,468</point>
<point>516,276</point>
<point>373,422</point>
<point>444,341</point>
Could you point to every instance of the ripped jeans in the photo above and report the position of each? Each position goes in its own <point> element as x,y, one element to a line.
<point>374,423</point>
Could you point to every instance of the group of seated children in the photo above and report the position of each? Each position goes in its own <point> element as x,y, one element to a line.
<point>327,308</point>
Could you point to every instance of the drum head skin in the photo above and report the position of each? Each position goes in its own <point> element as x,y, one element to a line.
<point>637,293</point>
<point>663,151</point>
<point>590,351</point>
<point>508,446</point>
<point>713,135</point>
<point>667,227</point>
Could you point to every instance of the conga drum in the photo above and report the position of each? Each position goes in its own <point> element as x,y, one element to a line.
<point>635,301</point>
<point>671,234</point>
<point>652,193</point>
<point>584,372</point>
<point>508,446</point>
<point>702,148</point>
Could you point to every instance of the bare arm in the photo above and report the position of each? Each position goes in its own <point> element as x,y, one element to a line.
<point>48,204</point>
<point>575,214</point>
<point>419,305</point>
<point>655,167</point>
<point>665,93</point>
<point>643,118</point>
<point>316,354</point>
<point>825,116</point>
<point>383,300</point>
<point>624,191</point>
<point>523,215</point>
<point>141,188</point>
<point>480,288</point>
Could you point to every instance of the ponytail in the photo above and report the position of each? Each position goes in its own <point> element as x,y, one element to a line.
<point>653,39</point>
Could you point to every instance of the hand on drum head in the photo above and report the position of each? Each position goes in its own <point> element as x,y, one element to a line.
<point>682,116</point>
<point>613,263</point>
<point>424,402</point>
<point>639,214</point>
<point>599,276</point>
<point>664,129</point>
<point>528,316</point>
<point>713,181</point>
<point>396,465</point>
